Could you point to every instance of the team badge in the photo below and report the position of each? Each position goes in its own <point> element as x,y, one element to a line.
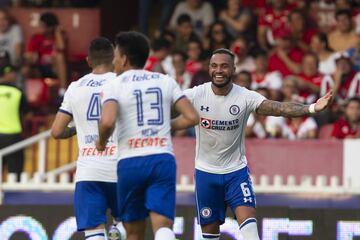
<point>205,212</point>
<point>234,109</point>
<point>206,123</point>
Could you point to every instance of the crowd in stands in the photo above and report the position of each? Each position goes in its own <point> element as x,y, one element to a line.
<point>287,50</point>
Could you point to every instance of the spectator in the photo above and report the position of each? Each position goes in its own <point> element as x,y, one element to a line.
<point>273,19</point>
<point>201,13</point>
<point>243,79</point>
<point>202,76</point>
<point>300,128</point>
<point>323,13</point>
<point>349,125</point>
<point>143,16</point>
<point>354,54</point>
<point>194,50</point>
<point>11,38</point>
<point>184,32</point>
<point>243,61</point>
<point>160,48</point>
<point>46,50</point>
<point>263,78</point>
<point>13,105</point>
<point>309,80</point>
<point>344,81</point>
<point>217,37</point>
<point>182,77</point>
<point>285,58</point>
<point>239,20</point>
<point>261,126</point>
<point>300,31</point>
<point>343,37</point>
<point>289,90</point>
<point>320,46</point>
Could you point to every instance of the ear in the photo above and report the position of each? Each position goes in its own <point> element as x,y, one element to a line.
<point>88,60</point>
<point>125,60</point>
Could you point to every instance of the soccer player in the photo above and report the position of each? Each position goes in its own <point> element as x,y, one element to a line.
<point>138,102</point>
<point>221,175</point>
<point>95,189</point>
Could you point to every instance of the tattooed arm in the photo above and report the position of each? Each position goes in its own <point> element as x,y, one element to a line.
<point>292,109</point>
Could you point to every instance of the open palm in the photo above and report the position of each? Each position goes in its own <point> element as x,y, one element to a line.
<point>323,102</point>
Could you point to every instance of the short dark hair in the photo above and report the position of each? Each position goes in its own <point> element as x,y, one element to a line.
<point>352,99</point>
<point>181,53</point>
<point>101,51</point>
<point>183,18</point>
<point>49,19</point>
<point>260,53</point>
<point>246,73</point>
<point>224,51</point>
<point>346,12</point>
<point>135,46</point>
<point>160,43</point>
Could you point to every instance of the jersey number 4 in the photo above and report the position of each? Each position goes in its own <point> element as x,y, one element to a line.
<point>156,105</point>
<point>94,109</point>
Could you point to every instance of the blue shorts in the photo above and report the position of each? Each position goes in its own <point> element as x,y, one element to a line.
<point>146,184</point>
<point>92,199</point>
<point>214,192</point>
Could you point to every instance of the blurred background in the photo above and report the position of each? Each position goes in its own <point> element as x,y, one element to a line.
<point>306,171</point>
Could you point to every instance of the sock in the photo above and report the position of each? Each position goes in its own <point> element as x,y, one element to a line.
<point>211,236</point>
<point>248,229</point>
<point>95,234</point>
<point>164,233</point>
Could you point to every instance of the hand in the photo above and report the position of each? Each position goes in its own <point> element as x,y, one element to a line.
<point>323,102</point>
<point>99,146</point>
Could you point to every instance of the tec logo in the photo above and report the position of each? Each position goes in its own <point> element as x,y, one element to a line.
<point>203,108</point>
<point>234,109</point>
<point>205,123</point>
<point>205,212</point>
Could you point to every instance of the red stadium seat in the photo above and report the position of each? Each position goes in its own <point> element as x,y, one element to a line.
<point>325,131</point>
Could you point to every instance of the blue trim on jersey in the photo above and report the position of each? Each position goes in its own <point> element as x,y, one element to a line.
<point>110,99</point>
<point>211,235</point>
<point>247,221</point>
<point>183,96</point>
<point>96,234</point>
<point>66,112</point>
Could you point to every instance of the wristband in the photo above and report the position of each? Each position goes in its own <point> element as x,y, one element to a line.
<point>312,108</point>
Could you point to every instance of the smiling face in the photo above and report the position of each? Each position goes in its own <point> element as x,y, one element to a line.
<point>221,69</point>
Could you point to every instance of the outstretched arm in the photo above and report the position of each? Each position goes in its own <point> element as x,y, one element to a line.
<point>292,109</point>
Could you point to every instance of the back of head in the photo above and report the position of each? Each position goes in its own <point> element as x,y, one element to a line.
<point>49,19</point>
<point>135,46</point>
<point>100,52</point>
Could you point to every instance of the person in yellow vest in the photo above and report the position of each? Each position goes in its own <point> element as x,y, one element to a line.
<point>12,106</point>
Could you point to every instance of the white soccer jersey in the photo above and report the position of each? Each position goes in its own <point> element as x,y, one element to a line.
<point>82,101</point>
<point>144,99</point>
<point>220,145</point>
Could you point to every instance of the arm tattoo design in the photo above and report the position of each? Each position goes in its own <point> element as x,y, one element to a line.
<point>285,109</point>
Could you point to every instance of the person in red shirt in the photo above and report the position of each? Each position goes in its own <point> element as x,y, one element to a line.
<point>46,50</point>
<point>194,50</point>
<point>285,58</point>
<point>309,80</point>
<point>274,18</point>
<point>349,125</point>
<point>301,34</point>
<point>161,49</point>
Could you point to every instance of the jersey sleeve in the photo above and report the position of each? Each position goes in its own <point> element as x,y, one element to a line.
<point>190,94</point>
<point>175,90</point>
<point>66,104</point>
<point>254,100</point>
<point>109,92</point>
